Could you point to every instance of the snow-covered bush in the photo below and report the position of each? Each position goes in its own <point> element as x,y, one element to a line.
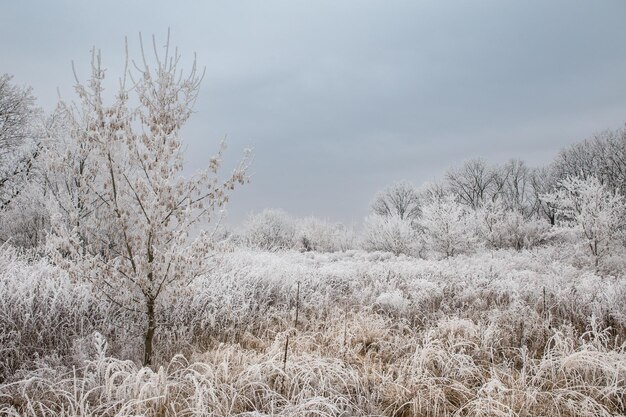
<point>596,212</point>
<point>25,221</point>
<point>602,156</point>
<point>449,227</point>
<point>501,227</point>
<point>391,234</point>
<point>317,235</point>
<point>392,300</point>
<point>43,313</point>
<point>270,230</point>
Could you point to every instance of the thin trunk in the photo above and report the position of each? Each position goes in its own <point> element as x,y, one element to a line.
<point>295,323</point>
<point>147,358</point>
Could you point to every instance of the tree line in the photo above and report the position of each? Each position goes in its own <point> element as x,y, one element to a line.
<point>579,197</point>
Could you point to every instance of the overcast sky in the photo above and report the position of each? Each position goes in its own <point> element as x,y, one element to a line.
<point>340,98</point>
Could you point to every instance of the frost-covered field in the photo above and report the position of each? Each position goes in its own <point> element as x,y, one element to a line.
<point>497,290</point>
<point>351,334</point>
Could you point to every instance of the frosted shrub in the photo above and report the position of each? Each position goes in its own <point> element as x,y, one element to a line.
<point>393,300</point>
<point>43,313</point>
<point>501,227</point>
<point>449,227</point>
<point>527,233</point>
<point>597,213</point>
<point>270,230</point>
<point>391,234</point>
<point>25,220</point>
<point>317,235</point>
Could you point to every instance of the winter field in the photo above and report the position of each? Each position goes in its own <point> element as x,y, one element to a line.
<point>497,290</point>
<point>310,334</point>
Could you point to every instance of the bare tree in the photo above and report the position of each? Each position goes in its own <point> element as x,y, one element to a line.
<point>400,199</point>
<point>128,230</point>
<point>472,184</point>
<point>512,186</point>
<point>543,181</point>
<point>430,192</point>
<point>602,157</point>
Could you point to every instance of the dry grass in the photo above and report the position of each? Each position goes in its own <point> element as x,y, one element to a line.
<point>377,335</point>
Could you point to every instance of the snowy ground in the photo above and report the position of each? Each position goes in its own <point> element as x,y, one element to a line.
<point>496,333</point>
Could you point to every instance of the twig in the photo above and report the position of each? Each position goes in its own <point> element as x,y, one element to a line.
<point>295,323</point>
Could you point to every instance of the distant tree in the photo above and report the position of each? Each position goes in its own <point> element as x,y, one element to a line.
<point>125,219</point>
<point>473,184</point>
<point>431,191</point>
<point>602,157</point>
<point>23,217</point>
<point>391,234</point>
<point>513,187</point>
<point>595,210</point>
<point>317,235</point>
<point>448,227</point>
<point>400,199</point>
<point>543,181</point>
<point>270,230</point>
<point>503,227</point>
<point>19,138</point>
<point>17,172</point>
<point>17,111</point>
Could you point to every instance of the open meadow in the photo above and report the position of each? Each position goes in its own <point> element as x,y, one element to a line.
<point>308,334</point>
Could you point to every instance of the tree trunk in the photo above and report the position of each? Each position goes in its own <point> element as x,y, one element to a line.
<point>147,357</point>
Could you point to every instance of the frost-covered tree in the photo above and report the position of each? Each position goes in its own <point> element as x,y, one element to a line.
<point>431,191</point>
<point>400,199</point>
<point>125,214</point>
<point>472,184</point>
<point>19,135</point>
<point>25,221</point>
<point>448,227</point>
<point>543,181</point>
<point>23,216</point>
<point>503,227</point>
<point>391,234</point>
<point>271,230</point>
<point>602,157</point>
<point>513,187</point>
<point>595,210</point>
<point>318,235</point>
<point>17,111</point>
